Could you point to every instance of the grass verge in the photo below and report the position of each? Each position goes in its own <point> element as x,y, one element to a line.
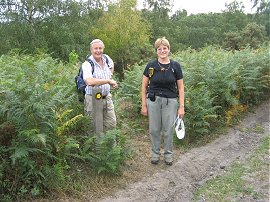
<point>244,181</point>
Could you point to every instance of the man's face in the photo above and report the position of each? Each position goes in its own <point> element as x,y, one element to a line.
<point>97,50</point>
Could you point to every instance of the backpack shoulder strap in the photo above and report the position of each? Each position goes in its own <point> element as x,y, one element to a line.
<point>151,69</point>
<point>106,58</point>
<point>173,67</point>
<point>91,63</point>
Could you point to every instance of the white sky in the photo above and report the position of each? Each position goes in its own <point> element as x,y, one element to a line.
<point>207,6</point>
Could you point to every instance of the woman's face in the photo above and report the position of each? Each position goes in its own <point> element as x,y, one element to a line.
<point>163,51</point>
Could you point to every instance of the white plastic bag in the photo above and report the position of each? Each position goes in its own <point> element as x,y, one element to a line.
<point>179,128</point>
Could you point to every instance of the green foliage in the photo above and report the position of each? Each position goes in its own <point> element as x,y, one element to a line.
<point>262,6</point>
<point>31,93</point>
<point>130,90</point>
<point>252,35</point>
<point>55,26</point>
<point>231,76</point>
<point>219,86</point>
<point>123,31</point>
<point>105,152</point>
<point>201,112</point>
<point>263,14</point>
<point>73,57</point>
<point>60,27</point>
<point>236,181</point>
<point>43,131</point>
<point>157,13</point>
<point>33,90</point>
<point>41,126</point>
<point>235,7</point>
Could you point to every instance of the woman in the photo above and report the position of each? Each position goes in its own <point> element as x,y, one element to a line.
<point>162,99</point>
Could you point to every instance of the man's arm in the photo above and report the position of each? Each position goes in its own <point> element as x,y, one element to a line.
<point>96,82</point>
<point>89,80</point>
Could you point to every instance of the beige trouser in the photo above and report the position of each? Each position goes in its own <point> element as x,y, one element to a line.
<point>109,118</point>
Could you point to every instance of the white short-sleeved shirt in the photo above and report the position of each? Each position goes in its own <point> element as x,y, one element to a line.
<point>99,73</point>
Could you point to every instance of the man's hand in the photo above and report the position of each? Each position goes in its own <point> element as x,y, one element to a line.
<point>113,83</point>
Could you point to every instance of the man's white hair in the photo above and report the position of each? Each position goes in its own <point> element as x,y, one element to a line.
<point>97,41</point>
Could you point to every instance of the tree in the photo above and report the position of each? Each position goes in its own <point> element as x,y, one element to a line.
<point>232,41</point>
<point>262,5</point>
<point>263,13</point>
<point>234,7</point>
<point>157,4</point>
<point>179,14</point>
<point>56,26</point>
<point>234,16</point>
<point>252,35</point>
<point>30,10</point>
<point>124,33</point>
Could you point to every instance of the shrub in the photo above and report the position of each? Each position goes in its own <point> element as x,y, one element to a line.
<point>42,127</point>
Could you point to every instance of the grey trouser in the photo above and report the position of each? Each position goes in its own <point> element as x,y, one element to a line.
<point>109,118</point>
<point>162,113</point>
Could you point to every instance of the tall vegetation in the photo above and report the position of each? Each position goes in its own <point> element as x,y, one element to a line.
<point>252,35</point>
<point>43,131</point>
<point>124,33</point>
<point>59,27</point>
<point>219,86</point>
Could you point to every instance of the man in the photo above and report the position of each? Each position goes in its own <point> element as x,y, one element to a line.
<point>101,77</point>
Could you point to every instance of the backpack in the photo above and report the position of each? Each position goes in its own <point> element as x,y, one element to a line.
<point>80,84</point>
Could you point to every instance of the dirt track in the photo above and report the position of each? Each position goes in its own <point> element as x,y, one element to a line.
<point>178,182</point>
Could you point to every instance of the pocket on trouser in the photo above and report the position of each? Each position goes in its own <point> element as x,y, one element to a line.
<point>88,107</point>
<point>109,114</point>
<point>109,120</point>
<point>109,103</point>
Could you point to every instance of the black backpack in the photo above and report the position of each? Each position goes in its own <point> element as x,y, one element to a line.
<point>80,84</point>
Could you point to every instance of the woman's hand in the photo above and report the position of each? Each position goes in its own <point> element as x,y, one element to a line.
<point>181,112</point>
<point>144,111</point>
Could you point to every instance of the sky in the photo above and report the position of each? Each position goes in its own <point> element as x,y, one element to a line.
<point>207,6</point>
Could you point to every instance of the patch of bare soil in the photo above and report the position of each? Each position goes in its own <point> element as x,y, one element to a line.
<point>178,182</point>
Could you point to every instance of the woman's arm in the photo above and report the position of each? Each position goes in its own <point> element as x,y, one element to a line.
<point>181,96</point>
<point>145,82</point>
